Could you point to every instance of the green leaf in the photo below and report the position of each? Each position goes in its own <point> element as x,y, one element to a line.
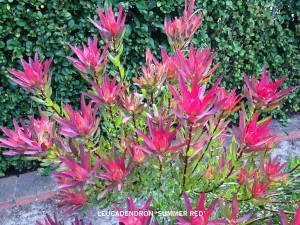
<point>38,100</point>
<point>49,102</point>
<point>141,5</point>
<point>57,108</point>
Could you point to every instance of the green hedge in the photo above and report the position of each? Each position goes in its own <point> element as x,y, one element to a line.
<point>245,34</point>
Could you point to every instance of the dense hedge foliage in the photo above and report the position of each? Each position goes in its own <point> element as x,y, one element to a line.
<point>244,34</point>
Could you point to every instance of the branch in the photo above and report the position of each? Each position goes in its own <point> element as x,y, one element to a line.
<point>296,167</point>
<point>259,219</point>
<point>276,211</point>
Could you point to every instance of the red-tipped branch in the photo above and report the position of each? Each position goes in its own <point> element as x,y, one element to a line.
<point>228,175</point>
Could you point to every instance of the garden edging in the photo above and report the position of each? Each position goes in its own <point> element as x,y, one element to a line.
<point>30,187</point>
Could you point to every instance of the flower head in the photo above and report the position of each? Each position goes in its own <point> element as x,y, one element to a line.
<point>272,169</point>
<point>197,64</point>
<point>160,140</point>
<point>259,189</point>
<point>35,74</point>
<point>111,28</point>
<point>232,99</point>
<point>195,106</point>
<point>43,130</point>
<point>116,171</point>
<point>76,174</point>
<point>71,200</point>
<point>141,219</point>
<point>153,74</point>
<point>180,30</point>
<point>89,60</point>
<point>264,93</point>
<point>243,177</point>
<point>254,137</point>
<point>137,154</point>
<point>79,124</point>
<point>33,139</point>
<point>132,102</point>
<point>170,68</point>
<point>49,221</point>
<point>108,93</point>
<point>198,219</point>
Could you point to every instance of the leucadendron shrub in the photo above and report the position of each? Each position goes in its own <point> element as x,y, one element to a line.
<point>245,34</point>
<point>163,139</point>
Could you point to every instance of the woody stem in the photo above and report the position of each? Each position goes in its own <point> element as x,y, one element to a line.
<point>134,124</point>
<point>186,153</point>
<point>169,99</point>
<point>296,167</point>
<point>152,98</point>
<point>52,107</point>
<point>96,78</point>
<point>228,175</point>
<point>285,212</point>
<point>260,219</point>
<point>210,140</point>
<point>112,117</point>
<point>116,55</point>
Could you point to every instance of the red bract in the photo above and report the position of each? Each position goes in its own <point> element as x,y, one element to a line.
<point>132,102</point>
<point>253,137</point>
<point>195,106</point>
<point>108,93</point>
<point>136,154</point>
<point>116,171</point>
<point>195,218</point>
<point>297,216</point>
<point>272,169</point>
<point>264,93</point>
<point>35,74</point>
<point>79,223</point>
<point>79,125</point>
<point>235,210</point>
<point>259,189</point>
<point>296,220</point>
<point>90,60</point>
<point>77,174</point>
<point>181,30</point>
<point>243,177</point>
<point>29,140</point>
<point>232,100</point>
<point>49,221</point>
<point>154,73</point>
<point>160,140</point>
<point>143,216</point>
<point>168,61</point>
<point>71,200</point>
<point>197,64</point>
<point>110,27</point>
<point>43,131</point>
